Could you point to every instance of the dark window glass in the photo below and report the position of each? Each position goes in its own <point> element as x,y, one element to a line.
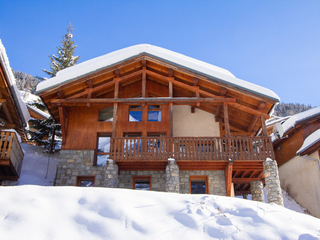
<point>86,183</point>
<point>103,151</point>
<point>106,115</point>
<point>135,114</point>
<point>142,185</point>
<point>198,187</point>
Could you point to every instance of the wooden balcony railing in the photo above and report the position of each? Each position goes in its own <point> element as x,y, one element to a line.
<point>191,148</point>
<point>11,154</point>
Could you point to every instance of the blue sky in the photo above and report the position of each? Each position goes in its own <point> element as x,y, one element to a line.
<point>275,44</point>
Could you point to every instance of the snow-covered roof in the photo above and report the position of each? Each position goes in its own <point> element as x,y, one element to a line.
<point>210,71</point>
<point>23,111</point>
<point>310,141</point>
<point>276,119</point>
<point>38,111</point>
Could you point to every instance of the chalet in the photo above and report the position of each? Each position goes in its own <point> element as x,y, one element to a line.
<point>297,153</point>
<point>146,117</point>
<point>13,118</point>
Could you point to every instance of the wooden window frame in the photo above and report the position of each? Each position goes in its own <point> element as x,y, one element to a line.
<point>200,177</point>
<point>142,177</point>
<point>96,150</point>
<point>86,178</point>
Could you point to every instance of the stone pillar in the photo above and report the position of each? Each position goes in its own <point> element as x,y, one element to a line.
<point>111,174</point>
<point>257,191</point>
<point>272,180</point>
<point>172,176</point>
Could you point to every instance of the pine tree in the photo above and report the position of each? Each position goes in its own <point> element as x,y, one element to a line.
<point>65,53</point>
<point>42,131</point>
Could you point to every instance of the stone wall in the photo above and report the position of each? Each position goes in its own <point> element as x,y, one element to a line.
<point>158,179</point>
<point>75,163</point>
<point>217,183</point>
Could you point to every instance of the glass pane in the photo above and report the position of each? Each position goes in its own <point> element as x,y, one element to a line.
<point>154,116</point>
<point>103,144</point>
<point>198,187</point>
<point>102,160</point>
<point>106,115</point>
<point>142,185</point>
<point>135,114</point>
<point>86,183</point>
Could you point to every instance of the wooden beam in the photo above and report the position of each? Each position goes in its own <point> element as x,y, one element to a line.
<point>226,119</point>
<point>144,82</point>
<point>170,72</point>
<point>114,122</point>
<point>228,177</point>
<point>2,101</point>
<point>89,83</point>
<point>255,118</point>
<point>264,127</point>
<point>183,100</point>
<point>63,124</point>
<point>171,118</point>
<point>244,180</point>
<point>223,92</point>
<point>170,89</point>
<point>248,110</point>
<point>60,94</point>
<point>195,81</point>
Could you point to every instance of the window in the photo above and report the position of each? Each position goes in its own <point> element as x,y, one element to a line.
<point>135,114</point>
<point>154,113</point>
<point>85,181</point>
<point>103,149</point>
<point>141,183</point>
<point>199,185</point>
<point>106,115</point>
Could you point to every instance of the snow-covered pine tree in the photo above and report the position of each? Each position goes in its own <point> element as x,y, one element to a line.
<point>65,53</point>
<point>42,131</point>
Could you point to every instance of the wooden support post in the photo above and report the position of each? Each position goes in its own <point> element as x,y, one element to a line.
<point>89,83</point>
<point>170,89</point>
<point>223,92</point>
<point>116,88</point>
<point>255,118</point>
<point>63,123</point>
<point>263,125</point>
<point>228,177</point>
<point>171,118</point>
<point>114,123</point>
<point>226,119</point>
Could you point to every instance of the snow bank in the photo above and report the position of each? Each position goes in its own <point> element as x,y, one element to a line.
<point>212,72</point>
<point>12,83</point>
<point>102,213</point>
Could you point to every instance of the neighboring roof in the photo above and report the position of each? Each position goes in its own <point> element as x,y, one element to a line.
<point>276,119</point>
<point>310,141</point>
<point>298,118</point>
<point>38,111</point>
<point>22,109</point>
<point>210,71</point>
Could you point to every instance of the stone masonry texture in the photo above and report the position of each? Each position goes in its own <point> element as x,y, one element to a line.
<point>272,181</point>
<point>75,163</point>
<point>257,191</point>
<point>172,177</point>
<point>217,183</point>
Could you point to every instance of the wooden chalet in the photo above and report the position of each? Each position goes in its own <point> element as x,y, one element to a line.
<point>13,119</point>
<point>143,105</point>
<point>298,155</point>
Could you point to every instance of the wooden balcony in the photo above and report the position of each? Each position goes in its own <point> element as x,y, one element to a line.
<point>191,148</point>
<point>11,156</point>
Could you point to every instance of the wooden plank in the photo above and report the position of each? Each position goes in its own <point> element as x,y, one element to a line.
<point>144,81</point>
<point>114,122</point>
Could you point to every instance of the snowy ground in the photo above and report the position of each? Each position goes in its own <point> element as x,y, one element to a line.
<point>39,212</point>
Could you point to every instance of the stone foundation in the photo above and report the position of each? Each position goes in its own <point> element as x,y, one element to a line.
<point>217,182</point>
<point>271,175</point>
<point>257,191</point>
<point>75,163</point>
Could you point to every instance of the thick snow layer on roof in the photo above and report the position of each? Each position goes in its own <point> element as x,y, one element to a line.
<point>96,64</point>
<point>293,120</point>
<point>310,141</point>
<point>12,82</point>
<point>41,113</point>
